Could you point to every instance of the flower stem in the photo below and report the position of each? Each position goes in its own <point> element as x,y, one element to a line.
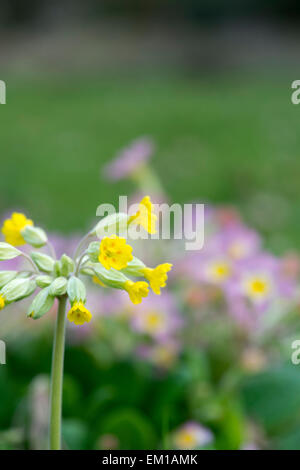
<point>57,376</point>
<point>81,245</point>
<point>51,250</point>
<point>31,262</point>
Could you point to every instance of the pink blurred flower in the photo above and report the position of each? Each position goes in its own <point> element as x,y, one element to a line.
<point>130,159</point>
<point>157,317</point>
<point>258,284</point>
<point>238,242</point>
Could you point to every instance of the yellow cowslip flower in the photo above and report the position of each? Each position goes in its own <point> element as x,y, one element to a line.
<point>12,228</point>
<point>2,302</point>
<point>157,276</point>
<point>79,314</point>
<point>144,216</point>
<point>114,252</point>
<point>136,290</point>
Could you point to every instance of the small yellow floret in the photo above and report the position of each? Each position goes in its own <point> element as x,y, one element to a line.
<point>114,252</point>
<point>2,302</point>
<point>79,314</point>
<point>219,271</point>
<point>257,287</point>
<point>185,440</point>
<point>13,227</point>
<point>136,290</point>
<point>153,320</point>
<point>144,216</point>
<point>157,276</point>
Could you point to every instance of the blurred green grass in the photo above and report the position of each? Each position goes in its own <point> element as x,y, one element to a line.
<point>230,139</point>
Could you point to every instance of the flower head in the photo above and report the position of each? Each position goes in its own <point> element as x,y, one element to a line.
<point>192,436</point>
<point>79,314</point>
<point>257,286</point>
<point>144,216</point>
<point>157,276</point>
<point>130,160</point>
<point>2,302</point>
<point>114,252</point>
<point>217,271</point>
<point>157,317</point>
<point>12,228</point>
<point>136,290</point>
<point>104,262</point>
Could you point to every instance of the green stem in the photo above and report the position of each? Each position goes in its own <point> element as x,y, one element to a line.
<point>79,263</point>
<point>57,376</point>
<point>31,262</point>
<point>81,245</point>
<point>51,250</point>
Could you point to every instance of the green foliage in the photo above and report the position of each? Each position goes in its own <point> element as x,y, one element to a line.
<point>238,139</point>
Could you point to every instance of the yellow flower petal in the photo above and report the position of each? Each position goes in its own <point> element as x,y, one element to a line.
<point>13,227</point>
<point>114,252</point>
<point>79,314</point>
<point>144,216</point>
<point>157,276</point>
<point>136,290</point>
<point>2,302</point>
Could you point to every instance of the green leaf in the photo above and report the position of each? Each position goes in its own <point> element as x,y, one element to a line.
<point>273,397</point>
<point>131,428</point>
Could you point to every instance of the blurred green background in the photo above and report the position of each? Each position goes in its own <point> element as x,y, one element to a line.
<point>212,87</point>
<point>225,139</point>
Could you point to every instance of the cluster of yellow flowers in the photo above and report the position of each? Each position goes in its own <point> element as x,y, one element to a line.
<point>107,262</point>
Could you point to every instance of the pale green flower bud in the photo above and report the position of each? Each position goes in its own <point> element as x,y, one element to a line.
<point>44,262</point>
<point>23,274</point>
<point>87,269</point>
<point>57,268</point>
<point>34,236</point>
<point>16,289</point>
<point>41,304</point>
<point>6,277</point>
<point>110,277</point>
<point>93,251</point>
<point>134,267</point>
<point>31,289</point>
<point>8,251</point>
<point>43,281</point>
<point>58,286</point>
<point>66,265</point>
<point>76,290</point>
<point>112,224</point>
